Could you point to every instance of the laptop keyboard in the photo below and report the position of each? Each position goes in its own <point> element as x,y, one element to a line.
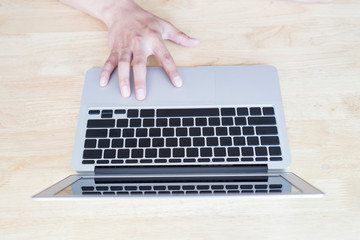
<point>189,136</point>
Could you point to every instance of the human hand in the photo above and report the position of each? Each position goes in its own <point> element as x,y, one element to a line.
<point>134,35</point>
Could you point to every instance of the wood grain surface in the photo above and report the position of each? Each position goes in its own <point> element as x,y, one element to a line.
<point>45,50</point>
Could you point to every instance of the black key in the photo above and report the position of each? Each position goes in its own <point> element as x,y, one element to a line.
<point>130,188</point>
<point>120,111</point>
<point>219,152</point>
<point>174,160</point>
<point>147,113</point>
<point>235,131</point>
<point>161,122</point>
<point>270,140</point>
<point>87,188</point>
<point>181,132</point>
<point>128,132</point>
<point>148,122</point>
<point>217,187</point>
<point>212,141</point>
<point>251,141</point>
<point>231,186</point>
<point>94,112</point>
<point>107,111</point>
<point>131,161</point>
<point>117,143</point>
<point>155,132</point>
<point>203,159</point>
<point>168,132</point>
<point>208,131</point>
<point>195,131</point>
<point>218,159</point>
<point>227,121</point>
<point>219,192</point>
<point>102,161</point>
<point>233,151</point>
<point>261,151</point>
<point>123,153</point>
<point>131,142</point>
<point>200,121</point>
<point>137,153</point>
<point>189,160</point>
<point>164,192</point>
<point>195,112</point>
<point>116,188</point>
<point>171,142</point>
<point>276,159</point>
<point>242,112</point>
<point>192,152</point>
<point>144,142</point>
<point>239,141</point>
<point>248,130</point>
<point>90,143</point>
<point>261,159</point>
<point>246,186</point>
<point>106,115</point>
<point>214,121</point>
<point>262,120</point>
<point>132,113</point>
<point>151,153</point>
<point>88,162</point>
<point>247,151</point>
<point>114,133</point>
<point>178,152</point>
<point>122,193</point>
<point>262,186</point>
<point>92,154</point>
<point>101,123</point>
<point>109,193</point>
<point>158,142</point>
<point>165,152</point>
<point>275,151</point>
<point>255,111</point>
<point>205,152</point>
<point>91,193</point>
<point>191,192</point>
<point>110,153</point>
<point>174,122</point>
<point>122,123</point>
<point>275,186</point>
<point>266,130</point>
<point>232,159</point>
<point>202,187</point>
<point>199,141</point>
<point>268,111</point>
<point>188,122</point>
<point>247,159</point>
<point>144,187</point>
<point>146,161</point>
<point>141,132</point>
<point>275,191</point>
<point>104,143</point>
<point>188,187</point>
<point>185,142</point>
<point>221,131</point>
<point>159,187</point>
<point>239,121</point>
<point>172,187</point>
<point>228,111</point>
<point>225,141</point>
<point>135,122</point>
<point>96,133</point>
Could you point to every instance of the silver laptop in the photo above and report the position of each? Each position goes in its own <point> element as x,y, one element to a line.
<point>222,134</point>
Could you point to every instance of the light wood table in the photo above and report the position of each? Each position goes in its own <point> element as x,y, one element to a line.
<point>45,50</point>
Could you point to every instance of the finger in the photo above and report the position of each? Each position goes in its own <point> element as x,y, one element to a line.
<point>177,36</point>
<point>109,67</point>
<point>124,73</point>
<point>166,60</point>
<point>139,69</point>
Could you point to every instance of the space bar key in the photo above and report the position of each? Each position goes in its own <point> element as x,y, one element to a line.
<point>188,112</point>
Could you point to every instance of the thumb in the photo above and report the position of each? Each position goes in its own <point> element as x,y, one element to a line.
<point>179,37</point>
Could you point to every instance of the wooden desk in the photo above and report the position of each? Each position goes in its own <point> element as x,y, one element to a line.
<point>45,49</point>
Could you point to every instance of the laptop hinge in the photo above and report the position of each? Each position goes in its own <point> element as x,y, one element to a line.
<point>197,169</point>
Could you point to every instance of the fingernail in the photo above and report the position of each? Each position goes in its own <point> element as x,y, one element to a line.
<point>125,91</point>
<point>140,94</point>
<point>103,81</point>
<point>177,81</point>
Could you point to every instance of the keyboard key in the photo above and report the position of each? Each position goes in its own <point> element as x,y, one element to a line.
<point>123,153</point>
<point>266,130</point>
<point>151,153</point>
<point>189,160</point>
<point>235,131</point>
<point>115,133</point>
<point>239,141</point>
<point>117,161</point>
<point>276,159</point>
<point>261,151</point>
<point>181,132</point>
<point>137,153</point>
<point>168,132</point>
<point>268,111</point>
<point>248,130</point>
<point>233,151</point>
<point>131,142</point>
<point>178,152</point>
<point>232,159</point>
<point>106,115</point>
<point>141,132</point>
<point>255,111</point>
<point>218,159</point>
<point>195,131</point>
<point>185,142</point>
<point>212,141</point>
<point>155,132</point>
<point>261,159</point>
<point>270,140</point>
<point>192,152</point>
<point>199,141</point>
<point>165,152</point>
<point>161,122</point>
<point>225,141</point>
<point>275,151</point>
<point>203,159</point>
<point>242,112</point>
<point>171,142</point>
<point>147,113</point>
<point>247,151</point>
<point>174,122</point>
<point>90,143</point>
<point>101,123</point>
<point>128,132</point>
<point>110,153</point>
<point>214,121</point>
<point>92,154</point>
<point>158,142</point>
<point>221,131</point>
<point>104,143</point>
<point>144,142</point>
<point>262,120</point>
<point>102,161</point>
<point>272,186</point>
<point>227,121</point>
<point>208,131</point>
<point>94,112</point>
<point>228,111</point>
<point>200,121</point>
<point>148,122</point>
<point>87,188</point>
<point>132,113</point>
<point>219,152</point>
<point>120,111</point>
<point>205,152</point>
<point>96,133</point>
<point>239,121</point>
<point>135,122</point>
<point>247,159</point>
<point>188,122</point>
<point>251,141</point>
<point>174,160</point>
<point>122,123</point>
<point>195,112</point>
<point>117,143</point>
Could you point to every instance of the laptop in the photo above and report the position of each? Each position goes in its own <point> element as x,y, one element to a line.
<point>222,134</point>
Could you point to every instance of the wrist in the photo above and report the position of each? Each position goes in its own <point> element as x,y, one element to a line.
<point>115,8</point>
